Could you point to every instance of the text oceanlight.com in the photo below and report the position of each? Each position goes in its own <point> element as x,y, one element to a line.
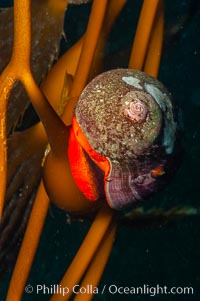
<point>112,289</point>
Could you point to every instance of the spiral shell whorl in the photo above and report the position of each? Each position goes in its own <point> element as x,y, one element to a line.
<point>136,110</point>
<point>118,116</point>
<point>127,118</point>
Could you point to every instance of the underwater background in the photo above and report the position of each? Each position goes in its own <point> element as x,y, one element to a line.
<point>160,254</point>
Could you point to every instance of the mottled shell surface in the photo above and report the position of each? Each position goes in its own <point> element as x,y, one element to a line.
<point>107,108</point>
<point>78,1</point>
<point>127,116</point>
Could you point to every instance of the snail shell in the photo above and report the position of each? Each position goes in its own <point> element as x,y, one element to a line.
<point>125,118</point>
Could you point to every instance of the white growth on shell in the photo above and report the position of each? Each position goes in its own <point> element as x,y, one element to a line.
<point>165,105</point>
<point>157,95</point>
<point>132,81</point>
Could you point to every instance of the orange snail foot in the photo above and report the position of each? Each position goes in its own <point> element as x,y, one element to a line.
<point>61,188</point>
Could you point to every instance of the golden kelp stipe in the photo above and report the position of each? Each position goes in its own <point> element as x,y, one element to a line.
<point>101,234</point>
<point>19,65</point>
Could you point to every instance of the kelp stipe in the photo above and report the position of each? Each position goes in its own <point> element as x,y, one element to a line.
<point>100,237</point>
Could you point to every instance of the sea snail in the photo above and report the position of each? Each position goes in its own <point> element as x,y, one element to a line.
<point>123,138</point>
